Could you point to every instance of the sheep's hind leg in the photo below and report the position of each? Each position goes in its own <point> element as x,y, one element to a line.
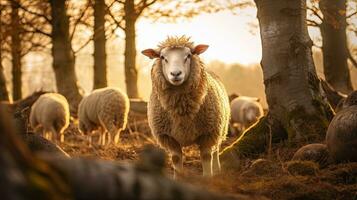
<point>175,150</point>
<point>109,139</point>
<point>55,135</point>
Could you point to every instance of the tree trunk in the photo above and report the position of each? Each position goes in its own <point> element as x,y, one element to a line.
<point>100,58</point>
<point>16,52</point>
<point>334,45</point>
<point>297,110</point>
<point>4,94</point>
<point>131,74</point>
<point>63,56</point>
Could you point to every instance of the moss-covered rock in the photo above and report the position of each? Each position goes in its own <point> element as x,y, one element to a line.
<point>317,153</point>
<point>302,168</point>
<point>341,137</point>
<point>263,167</point>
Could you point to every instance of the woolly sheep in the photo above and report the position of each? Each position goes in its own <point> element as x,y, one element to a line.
<point>105,108</point>
<point>188,105</point>
<point>51,114</point>
<point>245,111</point>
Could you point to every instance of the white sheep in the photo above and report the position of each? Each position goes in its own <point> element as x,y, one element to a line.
<point>50,115</point>
<point>245,111</point>
<point>105,108</point>
<point>188,105</point>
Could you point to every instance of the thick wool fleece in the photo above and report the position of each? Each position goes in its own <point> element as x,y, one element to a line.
<point>107,108</point>
<point>196,112</point>
<point>51,111</point>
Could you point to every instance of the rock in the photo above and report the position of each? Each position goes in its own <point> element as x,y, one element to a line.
<point>263,167</point>
<point>314,152</point>
<point>38,144</point>
<point>341,137</point>
<point>302,168</point>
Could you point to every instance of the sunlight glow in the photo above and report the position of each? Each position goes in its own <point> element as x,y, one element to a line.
<point>228,35</point>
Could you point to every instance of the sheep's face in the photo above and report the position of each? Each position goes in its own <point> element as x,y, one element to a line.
<point>176,61</point>
<point>176,64</point>
<point>252,114</point>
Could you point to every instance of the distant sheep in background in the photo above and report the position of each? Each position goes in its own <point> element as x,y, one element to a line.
<point>188,105</point>
<point>232,96</point>
<point>105,108</point>
<point>50,113</point>
<point>245,111</point>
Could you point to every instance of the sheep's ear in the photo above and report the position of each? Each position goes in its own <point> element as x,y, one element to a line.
<point>151,53</point>
<point>200,49</point>
<point>257,99</point>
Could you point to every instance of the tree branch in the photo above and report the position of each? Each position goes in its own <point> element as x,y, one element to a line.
<point>31,12</point>
<point>142,5</point>
<point>79,19</point>
<point>122,2</point>
<point>350,15</point>
<point>350,57</point>
<point>36,30</point>
<point>84,45</point>
<point>312,23</point>
<point>314,10</point>
<point>117,23</point>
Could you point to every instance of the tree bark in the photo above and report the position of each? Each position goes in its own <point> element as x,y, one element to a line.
<point>16,52</point>
<point>297,109</point>
<point>100,58</point>
<point>334,45</point>
<point>4,94</point>
<point>63,55</point>
<point>131,74</point>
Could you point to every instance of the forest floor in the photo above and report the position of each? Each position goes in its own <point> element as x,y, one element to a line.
<point>275,177</point>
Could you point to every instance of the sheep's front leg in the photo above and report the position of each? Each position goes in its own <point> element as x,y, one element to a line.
<point>175,150</point>
<point>216,165</point>
<point>206,160</point>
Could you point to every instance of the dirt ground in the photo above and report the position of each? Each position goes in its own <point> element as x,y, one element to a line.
<point>274,177</point>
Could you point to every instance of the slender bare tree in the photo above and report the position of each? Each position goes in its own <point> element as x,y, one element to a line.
<point>4,94</point>
<point>16,51</point>
<point>99,38</point>
<point>331,18</point>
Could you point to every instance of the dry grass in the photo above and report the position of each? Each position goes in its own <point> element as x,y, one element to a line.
<point>273,176</point>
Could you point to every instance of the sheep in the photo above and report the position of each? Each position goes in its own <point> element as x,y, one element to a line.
<point>105,108</point>
<point>245,111</point>
<point>50,113</point>
<point>188,105</point>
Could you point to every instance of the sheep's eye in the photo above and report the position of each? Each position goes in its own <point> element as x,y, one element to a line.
<point>162,57</point>
<point>187,57</point>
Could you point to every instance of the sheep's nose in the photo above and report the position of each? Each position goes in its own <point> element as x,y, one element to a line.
<point>176,73</point>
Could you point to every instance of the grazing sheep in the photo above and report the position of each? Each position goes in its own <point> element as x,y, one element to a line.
<point>232,96</point>
<point>245,111</point>
<point>51,114</point>
<point>188,105</point>
<point>105,108</point>
<point>341,137</point>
